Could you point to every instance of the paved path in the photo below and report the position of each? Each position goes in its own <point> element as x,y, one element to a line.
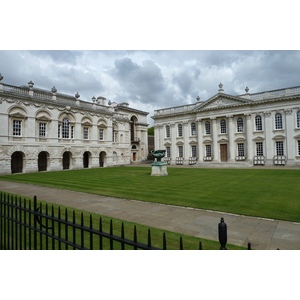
<point>264,234</point>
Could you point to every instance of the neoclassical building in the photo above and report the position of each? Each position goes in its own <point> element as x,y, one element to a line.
<point>47,131</point>
<point>260,129</point>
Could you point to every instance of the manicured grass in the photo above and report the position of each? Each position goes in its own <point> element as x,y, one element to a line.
<point>269,193</point>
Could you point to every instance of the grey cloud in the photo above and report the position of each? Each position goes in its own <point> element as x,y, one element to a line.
<point>144,82</point>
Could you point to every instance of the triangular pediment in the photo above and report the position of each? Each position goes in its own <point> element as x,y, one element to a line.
<point>221,100</point>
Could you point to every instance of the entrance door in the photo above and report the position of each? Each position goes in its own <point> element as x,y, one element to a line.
<point>42,161</point>
<point>223,152</point>
<point>66,160</point>
<point>134,156</point>
<point>17,162</point>
<point>86,160</point>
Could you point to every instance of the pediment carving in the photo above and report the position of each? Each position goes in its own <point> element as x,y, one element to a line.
<point>220,101</point>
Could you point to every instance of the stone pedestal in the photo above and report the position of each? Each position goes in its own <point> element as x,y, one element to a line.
<point>159,169</point>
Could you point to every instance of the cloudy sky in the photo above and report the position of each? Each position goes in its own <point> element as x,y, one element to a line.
<point>153,78</point>
<point>149,80</point>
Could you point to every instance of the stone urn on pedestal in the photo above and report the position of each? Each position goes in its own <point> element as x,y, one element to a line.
<point>159,168</point>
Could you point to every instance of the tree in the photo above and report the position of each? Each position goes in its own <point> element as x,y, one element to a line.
<point>151,131</point>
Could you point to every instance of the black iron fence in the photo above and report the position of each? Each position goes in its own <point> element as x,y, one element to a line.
<point>31,225</point>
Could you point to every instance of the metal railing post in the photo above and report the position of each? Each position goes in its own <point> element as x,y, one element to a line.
<point>222,234</point>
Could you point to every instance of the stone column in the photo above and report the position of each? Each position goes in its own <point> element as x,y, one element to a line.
<point>173,143</point>
<point>289,127</point>
<point>200,139</point>
<point>268,141</point>
<point>249,143</point>
<point>215,145</point>
<point>231,132</point>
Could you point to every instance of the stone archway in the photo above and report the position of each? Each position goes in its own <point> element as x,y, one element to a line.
<point>17,162</point>
<point>102,159</point>
<point>86,159</point>
<point>66,160</point>
<point>42,161</point>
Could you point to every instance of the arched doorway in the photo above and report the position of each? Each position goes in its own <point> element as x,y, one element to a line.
<point>134,156</point>
<point>66,160</point>
<point>42,161</point>
<point>86,158</point>
<point>102,159</point>
<point>17,162</point>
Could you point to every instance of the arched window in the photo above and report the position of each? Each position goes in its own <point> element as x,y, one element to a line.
<point>223,126</point>
<point>278,121</point>
<point>167,131</point>
<point>180,130</point>
<point>193,129</point>
<point>298,119</point>
<point>66,129</point>
<point>207,127</point>
<point>258,123</point>
<point>240,125</point>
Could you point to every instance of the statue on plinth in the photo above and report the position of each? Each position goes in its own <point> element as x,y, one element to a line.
<point>159,168</point>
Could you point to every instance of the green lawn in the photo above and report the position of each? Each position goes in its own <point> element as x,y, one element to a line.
<point>257,192</point>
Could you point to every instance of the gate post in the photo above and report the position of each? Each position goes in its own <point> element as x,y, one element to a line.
<point>223,234</point>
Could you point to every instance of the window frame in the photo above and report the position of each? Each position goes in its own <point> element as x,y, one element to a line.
<point>180,130</point>
<point>259,149</point>
<point>168,131</point>
<point>193,129</point>
<point>241,149</point>
<point>223,127</point>
<point>207,127</point>
<point>258,123</point>
<point>279,145</point>
<point>240,125</point>
<point>180,151</point>
<point>42,130</point>
<point>278,121</point>
<point>17,130</point>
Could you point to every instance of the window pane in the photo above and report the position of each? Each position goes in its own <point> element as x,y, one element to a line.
<point>42,129</point>
<point>194,151</point>
<point>240,125</point>
<point>223,126</point>
<point>85,133</point>
<point>258,123</point>
<point>278,121</point>
<point>17,126</point>
<point>101,134</point>
<point>208,150</point>
<point>180,151</point>
<point>279,148</point>
<point>259,148</point>
<point>65,129</point>
<point>179,130</point>
<point>167,131</point>
<point>207,127</point>
<point>241,151</point>
<point>193,129</point>
<point>298,119</point>
<point>168,152</point>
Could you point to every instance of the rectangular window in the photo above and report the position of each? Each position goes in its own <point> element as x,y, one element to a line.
<point>180,151</point>
<point>101,134</point>
<point>193,129</point>
<point>168,152</point>
<point>259,149</point>
<point>168,131</point>
<point>241,149</point>
<point>42,129</point>
<point>194,151</point>
<point>58,132</point>
<point>298,147</point>
<point>72,132</point>
<point>85,133</point>
<point>180,130</point>
<point>279,148</point>
<point>17,128</point>
<point>208,150</point>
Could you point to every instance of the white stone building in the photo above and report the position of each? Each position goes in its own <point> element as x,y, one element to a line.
<point>47,131</point>
<point>233,131</point>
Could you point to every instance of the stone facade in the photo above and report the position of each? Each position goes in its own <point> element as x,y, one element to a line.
<point>261,129</point>
<point>47,131</point>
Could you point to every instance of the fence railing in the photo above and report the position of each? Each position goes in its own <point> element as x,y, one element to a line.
<point>29,225</point>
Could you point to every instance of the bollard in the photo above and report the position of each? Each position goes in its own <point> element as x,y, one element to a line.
<point>222,234</point>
